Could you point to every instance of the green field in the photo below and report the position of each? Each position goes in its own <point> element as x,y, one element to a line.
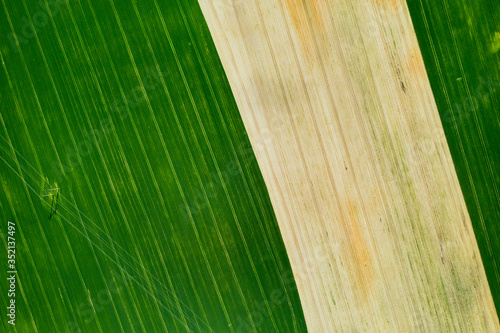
<point>137,200</point>
<point>460,43</point>
<point>163,221</point>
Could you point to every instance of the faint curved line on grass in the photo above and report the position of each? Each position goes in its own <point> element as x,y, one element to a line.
<point>98,237</point>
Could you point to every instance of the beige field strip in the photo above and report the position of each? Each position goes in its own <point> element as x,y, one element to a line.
<point>336,101</point>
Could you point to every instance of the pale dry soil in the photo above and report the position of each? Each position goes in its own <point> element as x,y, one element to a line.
<point>337,103</point>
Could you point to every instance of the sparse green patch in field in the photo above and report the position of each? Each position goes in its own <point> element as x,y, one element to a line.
<point>459,40</point>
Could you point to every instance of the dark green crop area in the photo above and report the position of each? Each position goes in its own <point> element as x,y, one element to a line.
<point>162,219</point>
<point>460,43</point>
